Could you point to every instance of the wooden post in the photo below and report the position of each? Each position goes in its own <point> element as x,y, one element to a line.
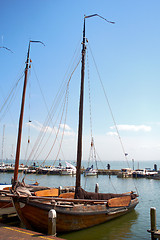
<point>97,188</point>
<point>153,222</point>
<point>52,222</point>
<point>60,190</point>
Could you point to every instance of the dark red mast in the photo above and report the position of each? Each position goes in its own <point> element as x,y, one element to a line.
<point>80,127</point>
<point>21,116</point>
<point>79,147</point>
<point>21,119</point>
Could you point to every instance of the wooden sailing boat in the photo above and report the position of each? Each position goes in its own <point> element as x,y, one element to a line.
<point>6,206</point>
<point>80,209</point>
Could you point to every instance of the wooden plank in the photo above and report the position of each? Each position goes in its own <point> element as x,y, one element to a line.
<point>119,202</point>
<point>53,192</point>
<point>70,199</point>
<point>67,195</point>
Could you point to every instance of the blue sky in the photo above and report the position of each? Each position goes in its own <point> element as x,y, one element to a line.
<point>127,55</point>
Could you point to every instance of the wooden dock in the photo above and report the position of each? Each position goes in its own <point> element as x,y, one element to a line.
<point>108,172</point>
<point>11,232</point>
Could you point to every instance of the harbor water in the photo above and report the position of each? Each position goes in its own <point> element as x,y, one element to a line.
<point>133,225</point>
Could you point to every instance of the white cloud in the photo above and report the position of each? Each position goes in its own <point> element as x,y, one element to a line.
<point>39,127</point>
<point>112,134</point>
<point>67,128</point>
<point>134,128</point>
<point>69,133</point>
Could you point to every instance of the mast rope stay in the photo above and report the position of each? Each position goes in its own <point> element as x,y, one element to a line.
<point>49,118</point>
<point>66,100</point>
<point>111,112</point>
<point>45,126</point>
<point>93,153</point>
<point>67,93</point>
<point>10,97</point>
<point>57,100</point>
<point>58,130</point>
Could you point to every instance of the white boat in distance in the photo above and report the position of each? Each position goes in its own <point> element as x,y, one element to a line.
<point>60,170</point>
<point>90,172</point>
<point>125,173</point>
<point>68,170</point>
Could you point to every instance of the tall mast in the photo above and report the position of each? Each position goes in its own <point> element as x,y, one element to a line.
<point>79,147</point>
<point>80,126</point>
<point>21,114</point>
<point>21,119</point>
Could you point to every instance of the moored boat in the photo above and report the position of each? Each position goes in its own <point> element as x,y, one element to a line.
<point>125,173</point>
<point>144,173</point>
<point>80,209</point>
<point>3,168</point>
<point>21,168</point>
<point>90,171</point>
<point>73,214</point>
<point>68,170</point>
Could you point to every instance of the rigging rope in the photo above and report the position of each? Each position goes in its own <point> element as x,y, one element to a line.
<point>66,99</point>
<point>63,125</point>
<point>57,101</point>
<point>45,126</point>
<point>9,98</point>
<point>50,135</point>
<point>115,125</point>
<point>93,153</point>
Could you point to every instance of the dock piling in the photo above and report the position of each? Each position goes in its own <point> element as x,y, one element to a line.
<point>154,232</point>
<point>60,190</point>
<point>52,222</point>
<point>97,188</point>
<point>153,222</point>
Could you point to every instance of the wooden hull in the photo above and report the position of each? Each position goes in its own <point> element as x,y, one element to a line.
<point>70,217</point>
<point>6,206</point>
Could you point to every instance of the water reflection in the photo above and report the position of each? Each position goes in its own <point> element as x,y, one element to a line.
<point>120,228</point>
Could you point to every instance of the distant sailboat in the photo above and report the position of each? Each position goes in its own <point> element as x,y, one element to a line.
<point>81,209</point>
<point>90,171</point>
